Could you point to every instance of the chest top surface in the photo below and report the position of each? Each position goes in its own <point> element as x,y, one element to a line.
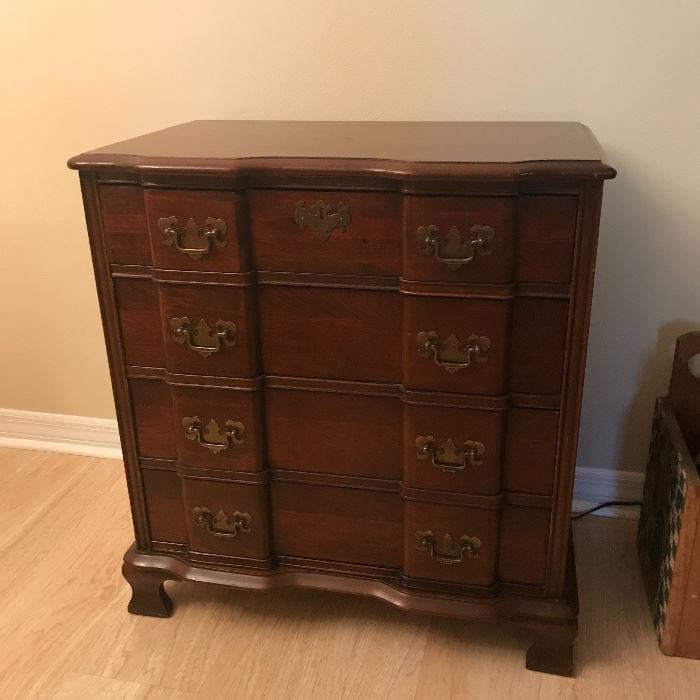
<point>501,148</point>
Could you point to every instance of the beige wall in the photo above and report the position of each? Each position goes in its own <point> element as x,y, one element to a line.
<point>77,74</point>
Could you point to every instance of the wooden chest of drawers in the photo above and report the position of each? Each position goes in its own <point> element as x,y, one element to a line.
<point>349,356</point>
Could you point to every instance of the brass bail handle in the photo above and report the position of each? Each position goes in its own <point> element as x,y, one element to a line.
<point>220,524</point>
<point>213,232</point>
<point>201,339</point>
<point>459,248</point>
<point>450,354</point>
<point>449,552</point>
<point>455,459</point>
<point>222,439</point>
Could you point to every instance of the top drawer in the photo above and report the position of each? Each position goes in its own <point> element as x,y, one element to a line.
<point>196,230</point>
<point>346,233</point>
<point>459,239</point>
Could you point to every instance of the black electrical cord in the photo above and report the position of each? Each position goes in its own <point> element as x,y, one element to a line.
<point>605,505</point>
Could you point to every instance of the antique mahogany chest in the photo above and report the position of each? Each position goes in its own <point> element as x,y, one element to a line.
<point>350,356</point>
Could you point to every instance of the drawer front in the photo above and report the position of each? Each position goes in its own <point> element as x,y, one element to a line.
<point>227,518</point>
<point>334,433</point>
<point>139,318</point>
<point>209,330</point>
<point>331,232</point>
<point>219,428</point>
<point>337,524</point>
<point>524,544</point>
<point>124,224</point>
<point>331,333</point>
<point>455,345</point>
<point>531,451</point>
<point>197,230</point>
<point>459,239</point>
<point>453,449</point>
<point>538,345</point>
<point>546,234</point>
<point>166,516</point>
<point>450,543</point>
<point>152,408</point>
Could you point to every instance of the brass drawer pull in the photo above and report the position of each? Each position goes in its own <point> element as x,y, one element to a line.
<point>451,355</point>
<point>459,248</point>
<point>450,553</point>
<point>452,458</point>
<point>221,524</point>
<point>320,219</point>
<point>200,338</point>
<point>213,231</point>
<point>212,437</point>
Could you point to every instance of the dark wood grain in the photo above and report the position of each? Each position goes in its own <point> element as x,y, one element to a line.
<point>166,516</point>
<point>125,226</point>
<point>212,303</point>
<point>537,346</point>
<point>522,556</point>
<point>531,451</point>
<point>463,318</point>
<point>458,425</point>
<point>229,497</point>
<point>199,206</point>
<point>556,149</point>
<point>139,317</point>
<point>337,524</point>
<point>153,418</point>
<point>329,333</point>
<point>369,246</point>
<point>499,213</point>
<point>455,521</point>
<point>546,234</point>
<point>220,405</point>
<point>328,465</point>
<point>339,433</point>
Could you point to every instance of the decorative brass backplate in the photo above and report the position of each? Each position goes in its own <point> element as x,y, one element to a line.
<point>211,436</point>
<point>446,456</point>
<point>200,338</point>
<point>449,552</point>
<point>457,248</point>
<point>320,219</point>
<point>213,231</point>
<point>451,355</point>
<point>220,524</point>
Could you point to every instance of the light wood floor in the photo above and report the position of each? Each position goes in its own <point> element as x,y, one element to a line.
<point>65,632</point>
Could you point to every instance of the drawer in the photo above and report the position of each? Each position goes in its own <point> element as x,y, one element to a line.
<point>139,318</point>
<point>524,545</point>
<point>124,224</point>
<point>329,333</point>
<point>453,449</point>
<point>334,433</point>
<point>209,329</point>
<point>455,345</point>
<point>163,496</point>
<point>531,451</point>
<point>546,235</point>
<point>458,544</point>
<point>331,232</point>
<point>197,230</point>
<point>152,408</point>
<point>230,519</point>
<point>337,524</point>
<point>538,345</point>
<point>218,428</point>
<point>459,239</point>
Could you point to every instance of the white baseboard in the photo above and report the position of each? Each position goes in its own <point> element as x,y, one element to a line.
<point>54,432</point>
<point>99,437</point>
<point>594,486</point>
